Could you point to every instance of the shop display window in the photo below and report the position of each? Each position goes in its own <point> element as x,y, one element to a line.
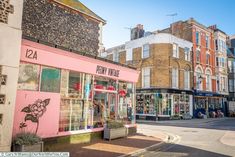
<point>145,104</point>
<point>75,84</point>
<point>50,80</point>
<point>71,115</point>
<point>104,83</point>
<point>28,76</point>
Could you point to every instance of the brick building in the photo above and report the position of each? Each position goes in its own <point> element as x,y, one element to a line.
<point>206,75</point>
<point>164,87</point>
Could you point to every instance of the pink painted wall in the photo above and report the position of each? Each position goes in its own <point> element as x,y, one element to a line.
<point>66,60</point>
<point>48,122</point>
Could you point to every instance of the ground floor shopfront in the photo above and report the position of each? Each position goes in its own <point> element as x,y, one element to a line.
<point>156,104</point>
<point>208,102</point>
<point>61,93</point>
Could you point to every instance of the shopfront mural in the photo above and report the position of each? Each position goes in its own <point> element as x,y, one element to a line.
<point>37,112</point>
<point>34,112</point>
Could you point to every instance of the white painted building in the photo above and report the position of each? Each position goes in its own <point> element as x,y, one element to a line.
<point>10,44</point>
<point>221,62</point>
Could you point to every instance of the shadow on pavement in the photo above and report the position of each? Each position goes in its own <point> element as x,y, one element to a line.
<point>218,124</point>
<point>113,148</point>
<point>176,150</point>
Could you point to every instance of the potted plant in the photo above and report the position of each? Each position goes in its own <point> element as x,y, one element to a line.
<point>114,129</point>
<point>27,142</point>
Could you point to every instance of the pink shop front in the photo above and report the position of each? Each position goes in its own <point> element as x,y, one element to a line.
<point>62,93</point>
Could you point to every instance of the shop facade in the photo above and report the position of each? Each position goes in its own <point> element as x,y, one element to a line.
<point>157,104</point>
<point>62,93</point>
<point>208,102</point>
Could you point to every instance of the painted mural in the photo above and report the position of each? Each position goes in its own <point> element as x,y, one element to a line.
<point>37,112</point>
<point>34,112</point>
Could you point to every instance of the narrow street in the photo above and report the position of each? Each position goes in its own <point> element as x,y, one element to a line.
<point>196,138</point>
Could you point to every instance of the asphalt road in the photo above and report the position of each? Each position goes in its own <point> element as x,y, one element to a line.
<point>193,138</point>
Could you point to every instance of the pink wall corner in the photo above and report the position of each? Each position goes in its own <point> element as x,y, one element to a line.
<point>48,122</point>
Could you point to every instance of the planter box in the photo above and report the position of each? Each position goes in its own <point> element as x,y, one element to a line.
<point>114,133</point>
<point>29,148</point>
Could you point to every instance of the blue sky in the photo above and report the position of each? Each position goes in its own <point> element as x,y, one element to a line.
<point>120,14</point>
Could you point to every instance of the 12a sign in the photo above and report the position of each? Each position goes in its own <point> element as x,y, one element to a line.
<point>31,54</point>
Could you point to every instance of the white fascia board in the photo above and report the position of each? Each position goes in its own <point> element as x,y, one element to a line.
<point>157,39</point>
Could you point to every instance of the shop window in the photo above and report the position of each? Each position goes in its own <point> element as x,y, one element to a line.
<point>104,108</point>
<point>71,115</point>
<point>145,104</point>
<point>102,83</point>
<point>163,104</point>
<point>50,80</point>
<point>125,106</point>
<point>75,84</point>
<point>28,76</point>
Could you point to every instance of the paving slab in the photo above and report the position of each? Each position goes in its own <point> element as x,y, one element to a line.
<point>113,148</point>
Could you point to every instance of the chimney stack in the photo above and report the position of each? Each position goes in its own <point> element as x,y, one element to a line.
<point>137,32</point>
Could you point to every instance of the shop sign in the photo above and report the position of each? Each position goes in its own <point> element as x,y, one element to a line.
<point>107,71</point>
<point>31,54</point>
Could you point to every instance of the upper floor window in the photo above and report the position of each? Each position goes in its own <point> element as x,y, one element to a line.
<point>116,56</point>
<point>216,44</point>
<point>207,42</point>
<point>145,51</point>
<point>197,38</point>
<point>146,77</point>
<point>217,61</point>
<point>175,78</point>
<point>208,80</point>
<point>187,54</point>
<point>208,59</point>
<point>198,56</point>
<point>175,51</point>
<point>128,54</point>
<point>186,79</point>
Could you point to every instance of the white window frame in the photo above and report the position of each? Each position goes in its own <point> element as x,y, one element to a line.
<point>175,78</point>
<point>145,51</point>
<point>187,54</point>
<point>146,74</point>
<point>199,37</point>
<point>116,56</point>
<point>207,42</point>
<point>186,79</point>
<point>175,50</point>
<point>129,55</point>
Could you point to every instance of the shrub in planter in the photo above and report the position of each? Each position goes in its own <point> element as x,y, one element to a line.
<point>114,129</point>
<point>111,124</point>
<point>27,142</point>
<point>176,117</point>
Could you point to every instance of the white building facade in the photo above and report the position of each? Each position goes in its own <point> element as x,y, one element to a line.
<point>10,44</point>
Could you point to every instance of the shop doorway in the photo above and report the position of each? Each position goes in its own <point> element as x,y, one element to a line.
<point>104,107</point>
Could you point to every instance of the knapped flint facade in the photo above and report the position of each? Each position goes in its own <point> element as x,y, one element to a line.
<point>47,21</point>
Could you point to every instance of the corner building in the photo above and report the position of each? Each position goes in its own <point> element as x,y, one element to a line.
<point>165,83</point>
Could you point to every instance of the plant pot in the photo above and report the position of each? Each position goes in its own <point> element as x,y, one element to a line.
<point>114,133</point>
<point>38,147</point>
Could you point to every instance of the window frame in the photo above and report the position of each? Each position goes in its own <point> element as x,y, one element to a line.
<point>175,78</point>
<point>146,76</point>
<point>145,52</point>
<point>175,52</point>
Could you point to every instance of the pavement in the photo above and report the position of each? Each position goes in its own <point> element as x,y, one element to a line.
<point>196,136</point>
<point>118,147</point>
